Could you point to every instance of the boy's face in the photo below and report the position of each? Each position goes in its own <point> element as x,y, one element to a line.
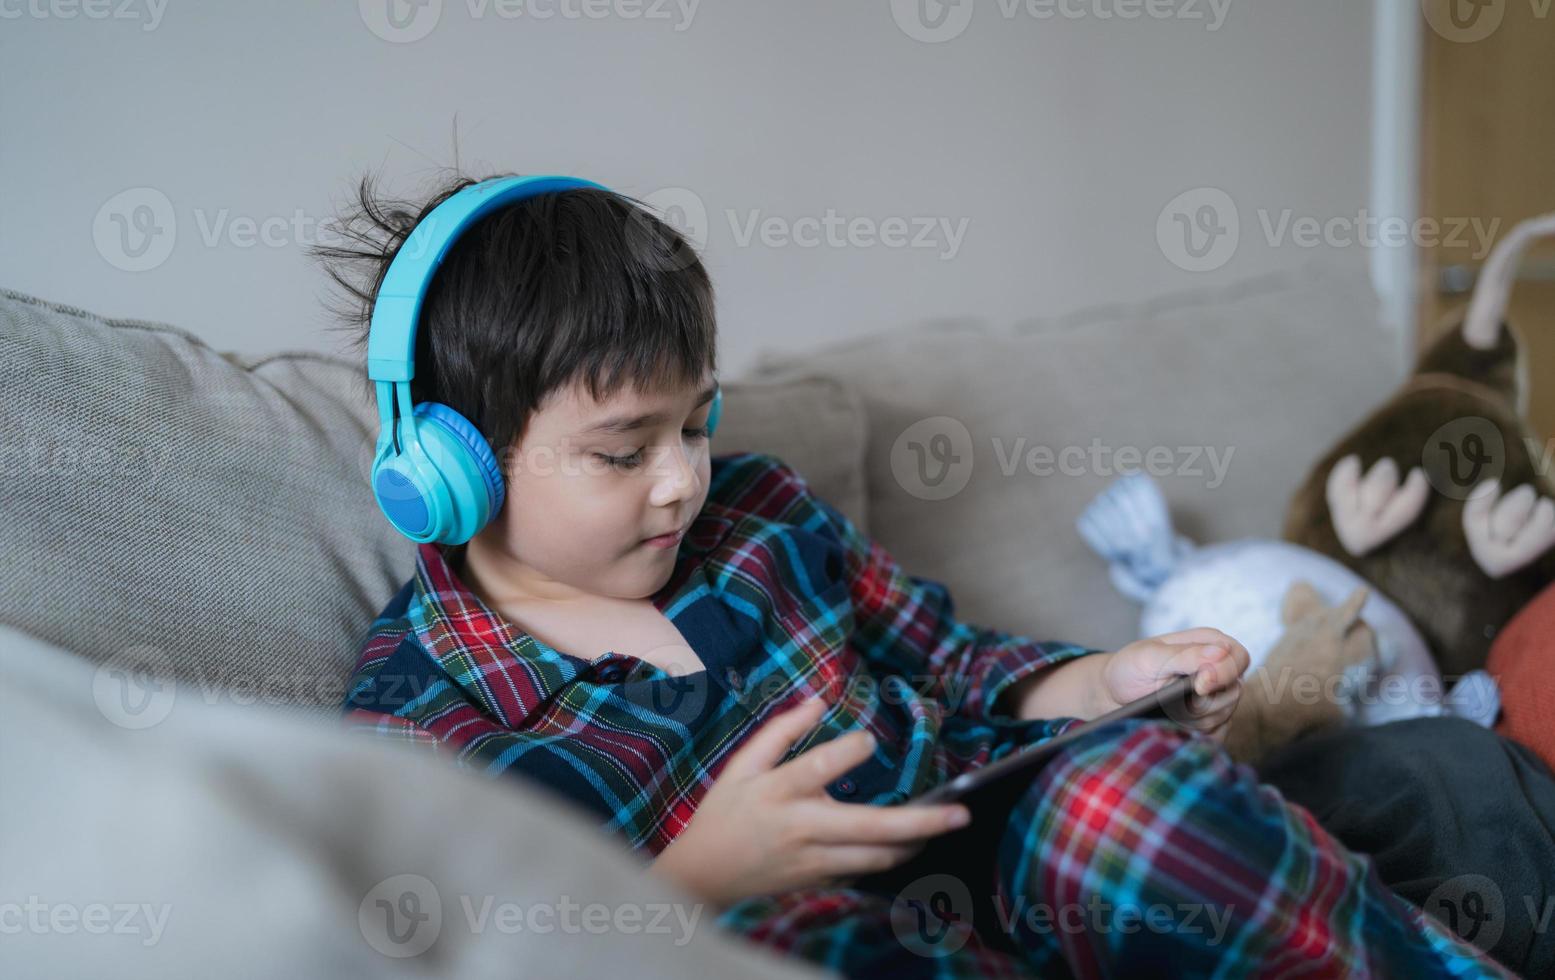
<point>588,483</point>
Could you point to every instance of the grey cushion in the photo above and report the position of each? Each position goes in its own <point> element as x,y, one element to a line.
<point>262,846</point>
<point>816,425</point>
<point>212,511</point>
<point>1270,372</point>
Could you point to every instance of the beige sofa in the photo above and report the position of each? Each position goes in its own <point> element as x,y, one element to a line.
<point>173,511</point>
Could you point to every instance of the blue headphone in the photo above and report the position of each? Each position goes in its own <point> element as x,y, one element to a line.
<point>434,475</point>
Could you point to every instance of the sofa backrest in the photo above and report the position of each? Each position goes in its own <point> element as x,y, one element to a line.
<point>986,444</point>
<point>207,515</point>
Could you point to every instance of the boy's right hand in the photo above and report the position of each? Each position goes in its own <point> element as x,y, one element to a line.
<point>766,828</point>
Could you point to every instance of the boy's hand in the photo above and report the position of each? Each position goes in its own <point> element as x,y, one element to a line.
<point>1215,661</point>
<point>762,829</point>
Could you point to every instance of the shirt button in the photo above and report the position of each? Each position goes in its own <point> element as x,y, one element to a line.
<point>736,681</point>
<point>845,786</point>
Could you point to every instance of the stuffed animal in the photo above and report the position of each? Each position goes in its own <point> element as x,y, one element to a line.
<point>1320,643</point>
<point>1439,498</point>
<point>1242,588</point>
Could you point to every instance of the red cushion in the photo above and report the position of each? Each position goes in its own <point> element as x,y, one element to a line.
<point>1522,660</point>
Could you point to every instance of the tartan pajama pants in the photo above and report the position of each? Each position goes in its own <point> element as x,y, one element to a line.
<point>1141,850</point>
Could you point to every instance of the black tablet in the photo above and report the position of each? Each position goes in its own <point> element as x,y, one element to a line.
<point>1168,701</point>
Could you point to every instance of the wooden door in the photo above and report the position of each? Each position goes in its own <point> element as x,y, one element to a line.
<point>1488,153</point>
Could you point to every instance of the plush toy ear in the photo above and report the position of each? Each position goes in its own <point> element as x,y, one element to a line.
<point>1350,610</point>
<point>1301,600</point>
<point>1371,509</point>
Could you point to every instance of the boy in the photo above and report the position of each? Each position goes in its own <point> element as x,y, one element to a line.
<point>725,671</point>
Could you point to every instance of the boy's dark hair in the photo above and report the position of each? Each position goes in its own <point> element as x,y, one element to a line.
<point>580,284</point>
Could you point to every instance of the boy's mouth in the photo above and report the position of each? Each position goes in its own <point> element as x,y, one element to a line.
<point>666,540</point>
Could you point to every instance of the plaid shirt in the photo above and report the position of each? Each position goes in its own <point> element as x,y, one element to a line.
<point>781,597</point>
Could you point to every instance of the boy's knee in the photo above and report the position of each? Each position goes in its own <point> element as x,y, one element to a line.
<point>1105,785</point>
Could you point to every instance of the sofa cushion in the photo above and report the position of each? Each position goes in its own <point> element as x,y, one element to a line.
<point>212,511</point>
<point>1225,395</point>
<point>263,845</point>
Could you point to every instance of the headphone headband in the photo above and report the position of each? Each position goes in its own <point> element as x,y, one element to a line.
<point>391,338</point>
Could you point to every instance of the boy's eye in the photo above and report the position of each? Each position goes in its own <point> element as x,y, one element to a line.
<point>629,462</point>
<point>635,459</point>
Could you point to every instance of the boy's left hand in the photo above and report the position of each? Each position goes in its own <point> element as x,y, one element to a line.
<point>1215,661</point>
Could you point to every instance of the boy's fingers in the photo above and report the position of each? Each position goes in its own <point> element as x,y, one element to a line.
<point>1211,667</point>
<point>1210,637</point>
<point>810,771</point>
<point>774,738</point>
<point>833,822</point>
<point>1202,634</point>
<point>1208,708</point>
<point>856,859</point>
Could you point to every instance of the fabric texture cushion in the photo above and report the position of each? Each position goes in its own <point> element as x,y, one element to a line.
<point>1522,660</point>
<point>208,515</point>
<point>1039,418</point>
<point>269,846</point>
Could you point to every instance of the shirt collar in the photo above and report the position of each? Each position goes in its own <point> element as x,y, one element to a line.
<point>462,633</point>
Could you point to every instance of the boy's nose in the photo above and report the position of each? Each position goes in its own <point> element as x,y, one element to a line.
<point>677,477</point>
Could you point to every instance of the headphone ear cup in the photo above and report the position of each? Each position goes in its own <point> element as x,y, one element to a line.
<point>467,466</point>
<point>715,413</point>
<point>402,498</point>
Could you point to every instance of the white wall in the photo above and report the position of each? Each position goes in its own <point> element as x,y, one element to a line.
<point>1057,140</point>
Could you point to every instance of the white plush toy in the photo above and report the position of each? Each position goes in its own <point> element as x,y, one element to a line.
<point>1239,588</point>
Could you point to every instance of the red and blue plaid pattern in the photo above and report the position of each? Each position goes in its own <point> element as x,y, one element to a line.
<point>782,597</point>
